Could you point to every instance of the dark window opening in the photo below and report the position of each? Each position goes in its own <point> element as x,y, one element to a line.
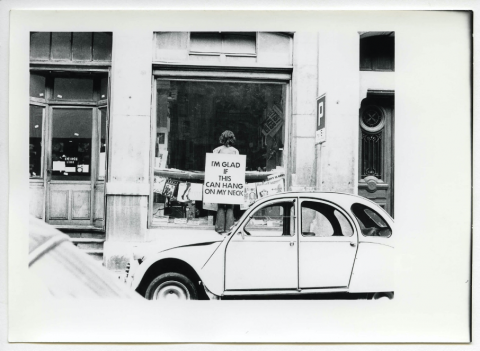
<point>377,52</point>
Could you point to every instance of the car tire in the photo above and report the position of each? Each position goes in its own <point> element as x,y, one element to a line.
<point>383,296</point>
<point>173,286</point>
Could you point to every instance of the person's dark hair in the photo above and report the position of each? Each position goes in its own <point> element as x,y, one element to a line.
<point>227,138</point>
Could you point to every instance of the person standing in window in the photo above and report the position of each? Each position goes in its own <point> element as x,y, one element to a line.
<point>225,217</point>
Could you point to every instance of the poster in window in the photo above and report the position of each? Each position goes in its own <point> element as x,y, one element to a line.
<point>273,122</point>
<point>170,188</point>
<point>189,192</point>
<point>250,195</point>
<point>271,187</point>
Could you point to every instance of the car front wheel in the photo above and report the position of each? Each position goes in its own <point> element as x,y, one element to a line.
<point>171,286</point>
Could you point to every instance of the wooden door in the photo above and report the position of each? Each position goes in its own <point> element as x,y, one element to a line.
<point>376,150</point>
<point>71,165</point>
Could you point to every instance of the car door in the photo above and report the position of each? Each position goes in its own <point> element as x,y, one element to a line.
<point>327,245</point>
<point>263,253</point>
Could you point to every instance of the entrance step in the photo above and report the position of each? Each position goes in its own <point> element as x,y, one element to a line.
<point>88,241</point>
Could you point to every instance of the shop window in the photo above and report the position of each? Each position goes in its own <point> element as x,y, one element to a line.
<point>377,51</point>
<point>190,117</point>
<point>321,220</point>
<point>36,141</point>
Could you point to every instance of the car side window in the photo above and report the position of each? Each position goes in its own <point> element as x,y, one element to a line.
<point>371,223</point>
<point>322,220</point>
<point>272,220</point>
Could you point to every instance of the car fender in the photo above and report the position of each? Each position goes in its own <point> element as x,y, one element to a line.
<point>213,272</point>
<point>194,255</point>
<point>373,268</point>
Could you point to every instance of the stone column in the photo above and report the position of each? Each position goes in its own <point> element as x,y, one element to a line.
<point>128,179</point>
<point>338,72</point>
<point>304,93</point>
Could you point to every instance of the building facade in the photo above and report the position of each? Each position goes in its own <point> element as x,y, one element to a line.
<point>113,114</point>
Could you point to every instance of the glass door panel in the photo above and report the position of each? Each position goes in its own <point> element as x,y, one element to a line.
<point>71,143</point>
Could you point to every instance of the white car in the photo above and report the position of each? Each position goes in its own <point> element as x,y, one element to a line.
<point>293,243</point>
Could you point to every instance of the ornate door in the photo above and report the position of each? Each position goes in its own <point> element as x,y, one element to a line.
<point>376,145</point>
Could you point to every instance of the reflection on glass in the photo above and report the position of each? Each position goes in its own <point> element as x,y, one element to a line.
<point>71,143</point>
<point>192,115</point>
<point>35,145</point>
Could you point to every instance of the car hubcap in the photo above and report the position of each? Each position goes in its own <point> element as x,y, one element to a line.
<point>171,290</point>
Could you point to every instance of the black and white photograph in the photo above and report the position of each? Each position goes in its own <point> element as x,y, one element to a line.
<point>221,171</point>
<point>315,240</point>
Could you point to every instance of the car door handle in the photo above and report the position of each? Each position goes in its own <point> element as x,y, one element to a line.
<point>292,243</point>
<point>352,244</point>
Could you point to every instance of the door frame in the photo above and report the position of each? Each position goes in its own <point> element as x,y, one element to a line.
<point>93,155</point>
<point>43,170</point>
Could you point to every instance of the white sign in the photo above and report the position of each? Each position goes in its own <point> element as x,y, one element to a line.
<point>320,136</point>
<point>224,179</point>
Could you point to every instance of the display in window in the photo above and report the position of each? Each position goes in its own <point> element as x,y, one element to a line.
<point>191,115</point>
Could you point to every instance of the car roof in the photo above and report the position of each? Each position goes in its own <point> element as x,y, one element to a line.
<point>67,271</point>
<point>344,200</point>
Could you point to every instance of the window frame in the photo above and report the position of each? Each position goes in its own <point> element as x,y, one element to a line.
<point>364,207</point>
<point>336,207</point>
<point>47,102</point>
<point>293,201</point>
<point>219,75</point>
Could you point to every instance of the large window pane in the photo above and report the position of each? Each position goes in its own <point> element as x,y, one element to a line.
<point>71,143</point>
<point>73,88</point>
<point>193,115</point>
<point>35,145</point>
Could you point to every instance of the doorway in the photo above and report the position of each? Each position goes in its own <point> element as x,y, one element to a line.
<point>376,149</point>
<point>68,148</point>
